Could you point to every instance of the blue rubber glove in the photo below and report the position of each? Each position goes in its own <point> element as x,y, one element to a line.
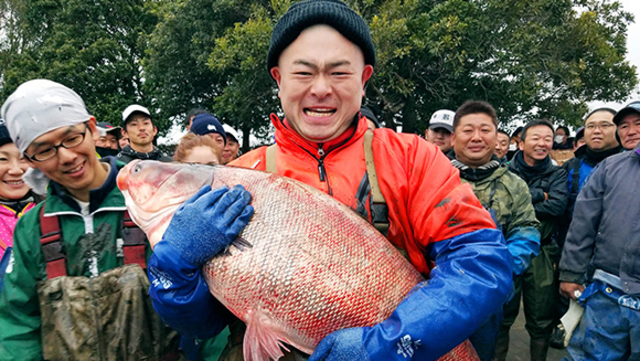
<point>208,222</point>
<point>347,344</point>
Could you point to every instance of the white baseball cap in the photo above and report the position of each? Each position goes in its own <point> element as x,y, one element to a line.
<point>132,109</point>
<point>232,132</point>
<point>443,118</point>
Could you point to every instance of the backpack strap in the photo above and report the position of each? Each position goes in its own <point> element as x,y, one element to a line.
<point>3,245</point>
<point>52,245</point>
<point>134,247</point>
<point>271,159</point>
<point>379,209</point>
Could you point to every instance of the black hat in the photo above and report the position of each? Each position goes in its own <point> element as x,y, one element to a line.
<point>334,13</point>
<point>4,134</point>
<point>207,123</point>
<point>633,107</point>
<point>517,132</point>
<point>579,133</point>
<point>105,128</point>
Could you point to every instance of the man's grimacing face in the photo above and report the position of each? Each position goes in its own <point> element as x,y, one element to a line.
<point>321,78</point>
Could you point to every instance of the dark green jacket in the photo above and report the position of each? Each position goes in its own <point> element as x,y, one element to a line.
<point>20,319</point>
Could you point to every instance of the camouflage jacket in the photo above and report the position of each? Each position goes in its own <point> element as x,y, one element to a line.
<point>513,211</point>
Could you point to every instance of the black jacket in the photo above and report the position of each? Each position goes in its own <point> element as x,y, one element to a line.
<point>544,178</point>
<point>127,154</point>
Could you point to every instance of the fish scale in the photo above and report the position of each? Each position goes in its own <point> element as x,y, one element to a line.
<point>315,266</point>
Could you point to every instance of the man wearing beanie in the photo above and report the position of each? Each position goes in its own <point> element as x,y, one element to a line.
<point>321,56</point>
<point>138,126</point>
<point>74,255</point>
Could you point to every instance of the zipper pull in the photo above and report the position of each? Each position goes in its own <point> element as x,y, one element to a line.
<point>320,150</point>
<point>321,171</point>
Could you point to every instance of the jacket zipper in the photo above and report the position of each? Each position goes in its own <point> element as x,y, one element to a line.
<point>321,171</point>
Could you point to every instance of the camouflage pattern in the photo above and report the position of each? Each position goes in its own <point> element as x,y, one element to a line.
<point>511,201</point>
<point>96,318</point>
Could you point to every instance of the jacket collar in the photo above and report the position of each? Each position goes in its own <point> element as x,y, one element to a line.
<point>288,137</point>
<point>107,196</point>
<point>154,154</point>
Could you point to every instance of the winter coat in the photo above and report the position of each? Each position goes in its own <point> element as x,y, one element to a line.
<point>505,194</point>
<point>20,316</point>
<point>605,232</point>
<point>433,217</point>
<point>127,154</point>
<point>8,219</point>
<point>549,179</point>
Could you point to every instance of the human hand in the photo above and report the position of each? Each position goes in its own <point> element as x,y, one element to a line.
<point>346,344</point>
<point>208,222</point>
<point>571,290</point>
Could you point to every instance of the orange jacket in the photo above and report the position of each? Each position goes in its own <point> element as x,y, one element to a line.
<point>427,202</point>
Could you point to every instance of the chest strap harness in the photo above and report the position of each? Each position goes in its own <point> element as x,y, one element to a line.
<point>379,208</point>
<point>52,243</point>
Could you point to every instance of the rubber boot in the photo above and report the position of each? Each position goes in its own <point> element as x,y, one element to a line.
<point>539,350</point>
<point>502,347</point>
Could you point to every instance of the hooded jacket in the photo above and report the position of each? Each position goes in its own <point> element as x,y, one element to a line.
<point>544,178</point>
<point>605,232</point>
<point>507,196</point>
<point>127,154</point>
<point>433,217</point>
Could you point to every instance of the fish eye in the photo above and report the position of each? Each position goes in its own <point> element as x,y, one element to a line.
<point>137,168</point>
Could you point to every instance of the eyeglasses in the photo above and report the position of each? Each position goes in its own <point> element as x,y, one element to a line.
<point>602,126</point>
<point>72,141</point>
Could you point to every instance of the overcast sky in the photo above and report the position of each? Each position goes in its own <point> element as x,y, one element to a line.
<point>633,46</point>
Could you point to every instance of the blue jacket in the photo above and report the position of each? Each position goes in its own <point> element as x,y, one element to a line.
<point>605,231</point>
<point>578,170</point>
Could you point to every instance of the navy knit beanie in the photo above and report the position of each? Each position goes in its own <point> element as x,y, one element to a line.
<point>334,13</point>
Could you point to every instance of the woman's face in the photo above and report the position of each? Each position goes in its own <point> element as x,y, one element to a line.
<point>202,155</point>
<point>12,167</point>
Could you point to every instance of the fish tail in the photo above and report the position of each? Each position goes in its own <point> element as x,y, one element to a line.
<point>260,342</point>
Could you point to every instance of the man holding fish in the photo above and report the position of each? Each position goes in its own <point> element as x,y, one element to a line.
<point>321,56</point>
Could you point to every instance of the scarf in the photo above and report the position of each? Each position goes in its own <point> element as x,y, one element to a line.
<point>475,174</point>
<point>528,172</point>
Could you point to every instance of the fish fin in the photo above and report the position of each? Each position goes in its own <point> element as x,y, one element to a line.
<point>241,243</point>
<point>260,342</point>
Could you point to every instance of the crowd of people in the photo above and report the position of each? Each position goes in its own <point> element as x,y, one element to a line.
<point>492,220</point>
